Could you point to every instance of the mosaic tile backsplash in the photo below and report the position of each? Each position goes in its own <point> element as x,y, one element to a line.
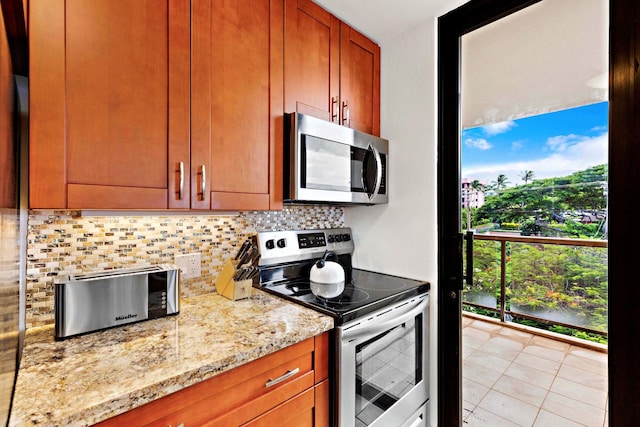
<point>64,242</point>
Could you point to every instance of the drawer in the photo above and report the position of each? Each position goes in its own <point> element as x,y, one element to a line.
<point>243,392</point>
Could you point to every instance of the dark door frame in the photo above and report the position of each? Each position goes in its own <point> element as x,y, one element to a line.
<point>624,195</point>
<point>624,179</point>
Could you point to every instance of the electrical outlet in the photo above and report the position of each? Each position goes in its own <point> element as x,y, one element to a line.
<point>189,265</point>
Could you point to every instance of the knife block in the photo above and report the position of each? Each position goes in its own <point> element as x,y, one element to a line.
<point>229,288</point>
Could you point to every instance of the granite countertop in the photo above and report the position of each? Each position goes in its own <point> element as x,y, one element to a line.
<point>87,379</point>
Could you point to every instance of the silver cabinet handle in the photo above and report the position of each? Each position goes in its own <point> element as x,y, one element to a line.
<point>346,120</point>
<point>334,105</point>
<point>181,181</point>
<point>286,376</point>
<point>203,182</point>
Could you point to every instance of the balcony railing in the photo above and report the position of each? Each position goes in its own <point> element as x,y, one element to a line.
<point>557,281</point>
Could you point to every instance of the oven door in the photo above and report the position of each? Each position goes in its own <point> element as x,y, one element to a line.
<point>383,366</point>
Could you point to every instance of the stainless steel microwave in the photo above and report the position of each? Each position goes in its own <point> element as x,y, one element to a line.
<point>328,163</point>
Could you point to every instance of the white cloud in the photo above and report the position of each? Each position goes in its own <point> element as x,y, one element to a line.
<point>516,145</point>
<point>479,143</point>
<point>561,142</point>
<point>570,155</point>
<point>498,128</point>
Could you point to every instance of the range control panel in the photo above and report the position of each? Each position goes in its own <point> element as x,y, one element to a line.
<point>294,245</point>
<point>311,240</point>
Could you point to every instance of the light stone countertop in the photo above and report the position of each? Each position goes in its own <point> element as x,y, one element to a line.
<point>89,378</point>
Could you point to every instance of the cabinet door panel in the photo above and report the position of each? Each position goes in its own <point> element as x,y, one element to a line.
<point>116,92</point>
<point>311,63</point>
<point>359,81</point>
<point>233,127</point>
<point>240,96</point>
<point>100,73</point>
<point>47,172</point>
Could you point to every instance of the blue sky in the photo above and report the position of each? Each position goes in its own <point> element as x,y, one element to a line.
<point>552,144</point>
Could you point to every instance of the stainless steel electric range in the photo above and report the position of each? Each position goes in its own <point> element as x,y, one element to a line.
<point>381,336</point>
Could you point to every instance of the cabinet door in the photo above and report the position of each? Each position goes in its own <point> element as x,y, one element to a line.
<point>103,76</point>
<point>311,60</point>
<point>234,62</point>
<point>359,81</point>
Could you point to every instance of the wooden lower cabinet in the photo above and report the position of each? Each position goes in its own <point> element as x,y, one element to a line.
<point>249,395</point>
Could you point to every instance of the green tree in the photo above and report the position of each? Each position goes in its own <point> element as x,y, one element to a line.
<point>526,176</point>
<point>501,182</point>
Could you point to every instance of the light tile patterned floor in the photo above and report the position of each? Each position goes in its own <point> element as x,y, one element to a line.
<point>514,378</point>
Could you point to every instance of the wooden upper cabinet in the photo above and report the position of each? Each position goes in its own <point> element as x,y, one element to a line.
<point>236,104</point>
<point>109,103</point>
<point>311,60</point>
<point>331,71</point>
<point>359,81</point>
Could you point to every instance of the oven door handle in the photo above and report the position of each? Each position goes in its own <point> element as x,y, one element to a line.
<point>373,327</point>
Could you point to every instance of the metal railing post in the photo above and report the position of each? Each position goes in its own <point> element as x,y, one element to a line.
<point>503,279</point>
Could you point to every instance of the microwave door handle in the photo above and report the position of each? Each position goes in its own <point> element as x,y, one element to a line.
<point>378,158</point>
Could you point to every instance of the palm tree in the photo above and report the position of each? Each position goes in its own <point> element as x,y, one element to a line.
<point>501,182</point>
<point>526,176</point>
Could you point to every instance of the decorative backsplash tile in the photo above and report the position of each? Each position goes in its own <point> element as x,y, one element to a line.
<point>64,242</point>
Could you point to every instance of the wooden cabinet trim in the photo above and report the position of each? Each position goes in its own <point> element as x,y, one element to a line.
<point>321,410</point>
<point>239,201</point>
<point>111,197</point>
<point>321,357</point>
<point>311,8</point>
<point>200,102</point>
<point>276,101</point>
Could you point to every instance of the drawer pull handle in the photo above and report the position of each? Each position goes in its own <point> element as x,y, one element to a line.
<point>286,376</point>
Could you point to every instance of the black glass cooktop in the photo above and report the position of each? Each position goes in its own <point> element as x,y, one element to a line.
<point>366,292</point>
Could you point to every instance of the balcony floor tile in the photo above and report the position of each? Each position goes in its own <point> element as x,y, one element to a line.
<point>514,378</point>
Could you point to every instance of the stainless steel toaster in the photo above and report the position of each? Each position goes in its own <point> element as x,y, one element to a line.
<point>90,302</point>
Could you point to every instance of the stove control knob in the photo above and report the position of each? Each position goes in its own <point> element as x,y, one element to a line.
<point>282,243</point>
<point>338,237</point>
<point>270,244</point>
<point>346,237</point>
<point>331,239</point>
